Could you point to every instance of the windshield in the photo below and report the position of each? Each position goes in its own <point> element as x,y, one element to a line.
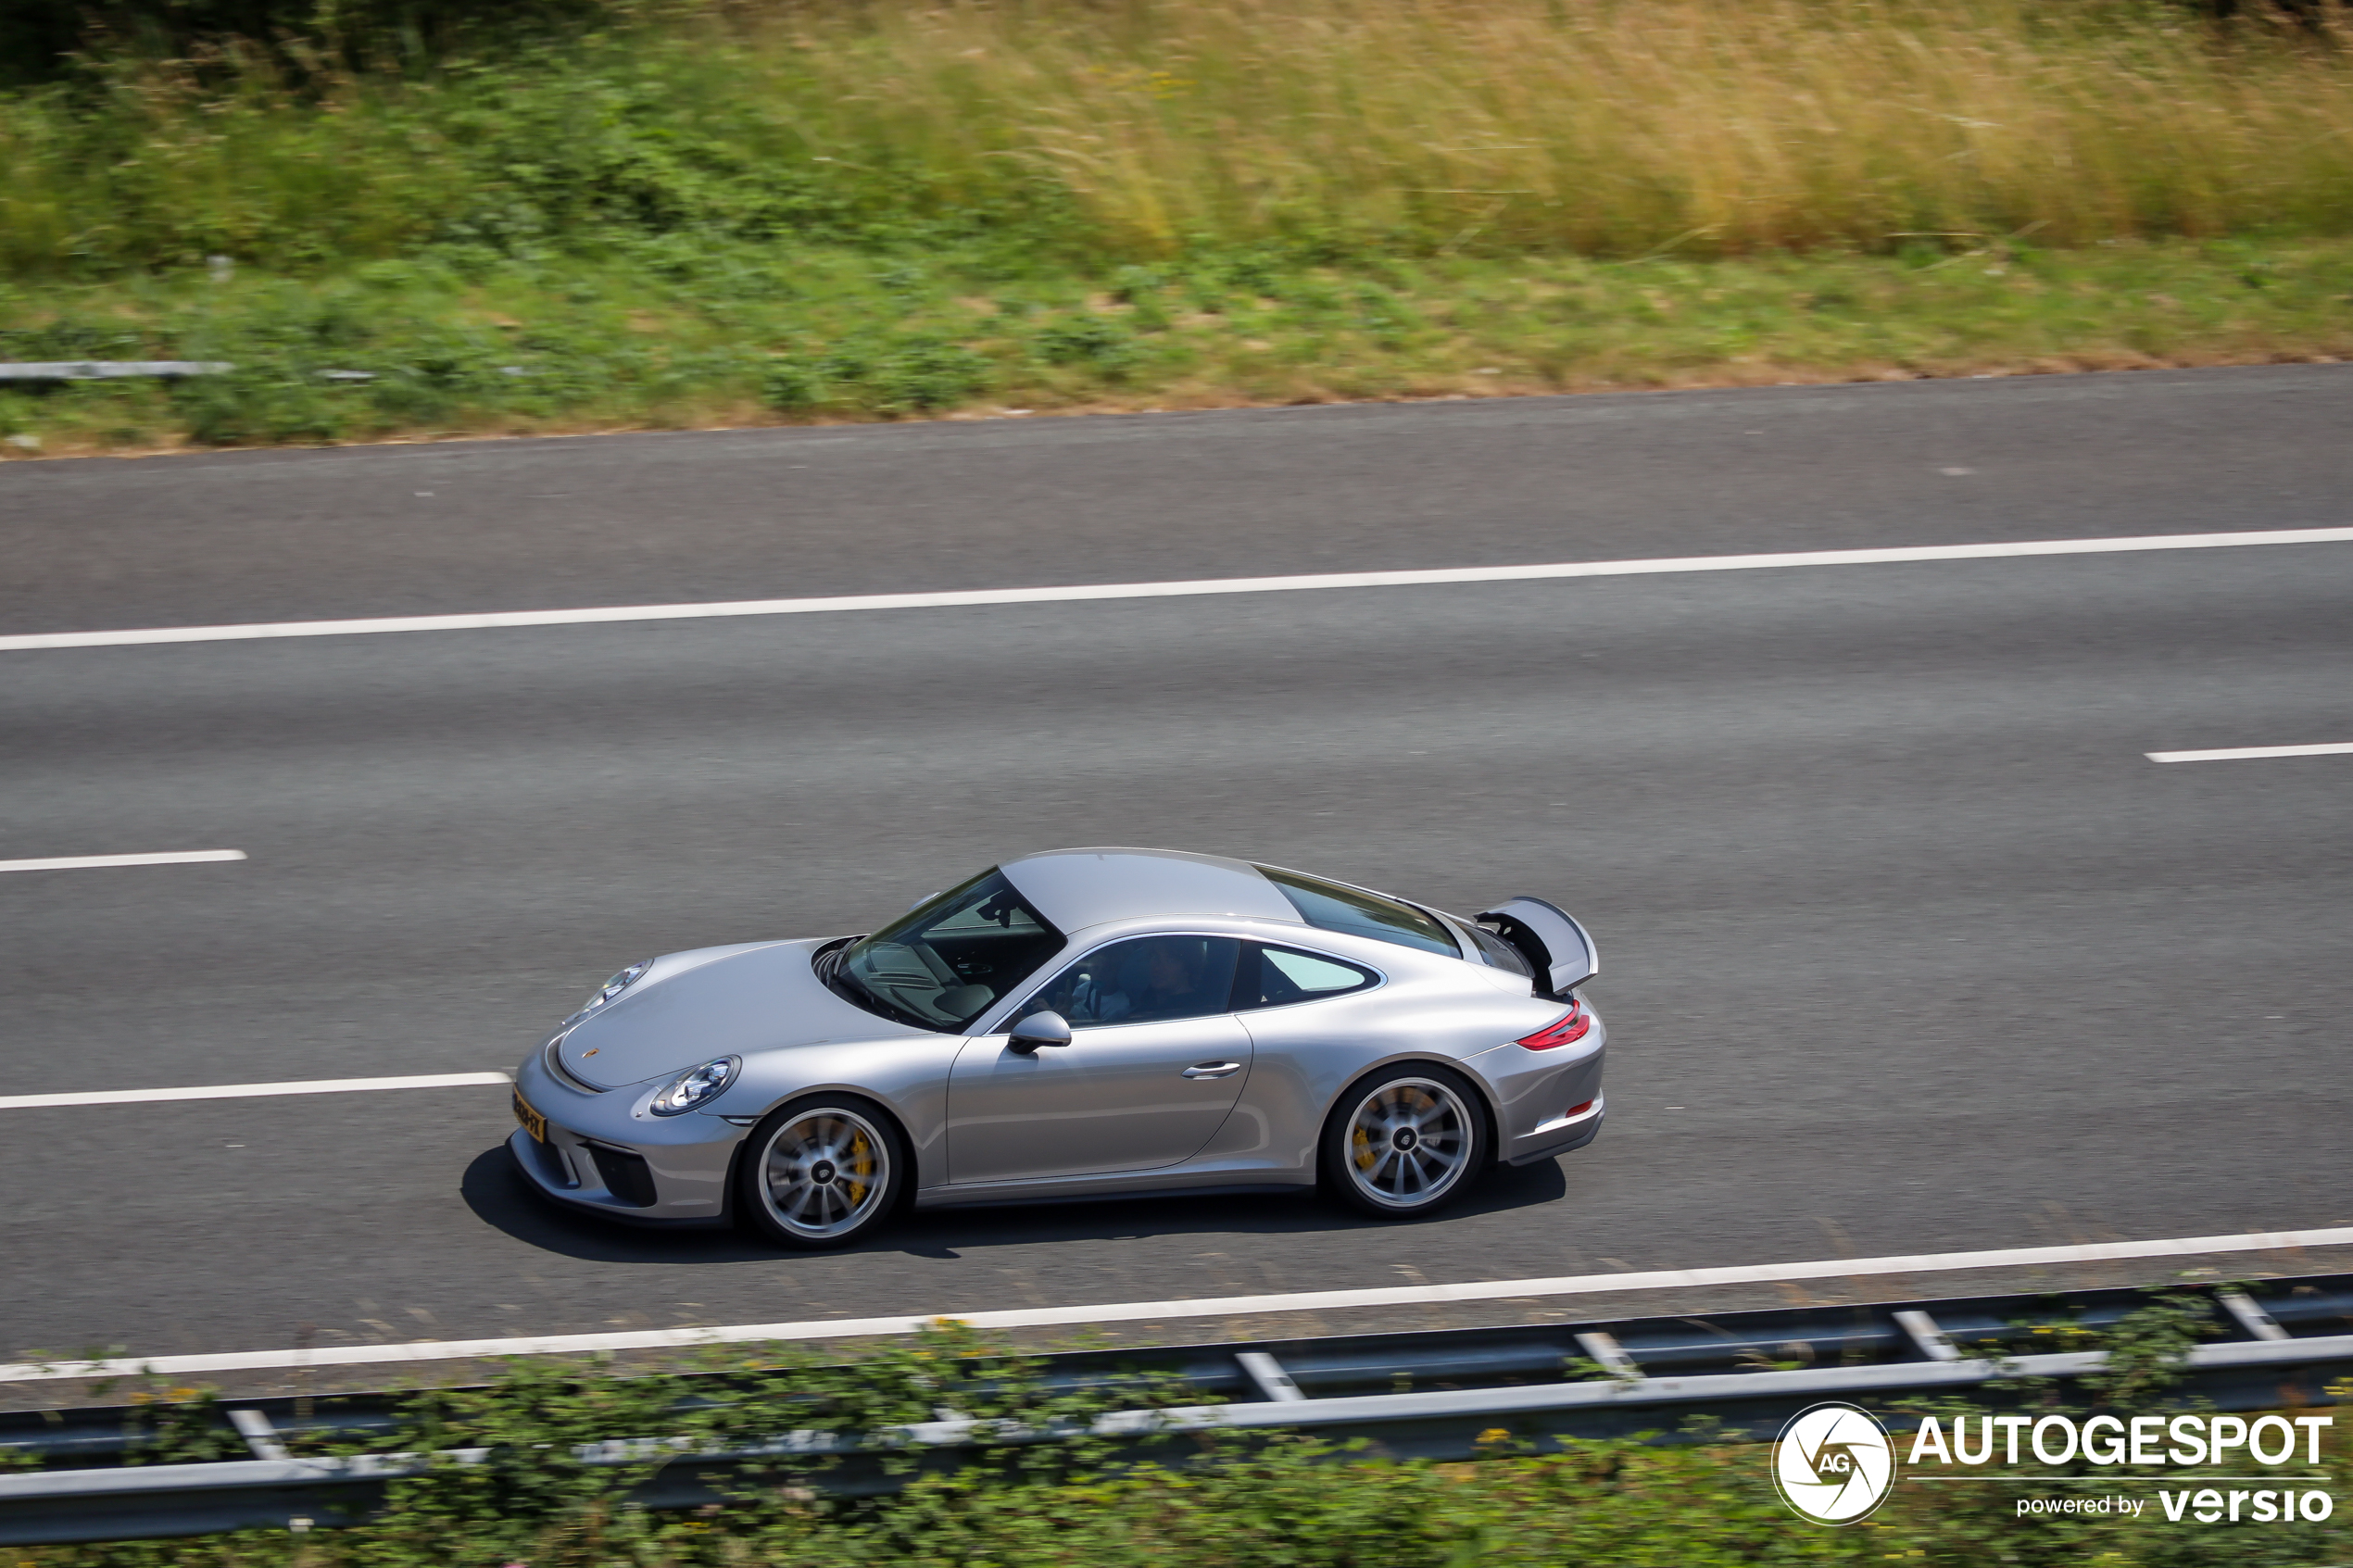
<point>1334,908</point>
<point>941,965</point>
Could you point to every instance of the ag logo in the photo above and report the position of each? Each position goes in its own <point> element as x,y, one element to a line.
<point>1833,1463</point>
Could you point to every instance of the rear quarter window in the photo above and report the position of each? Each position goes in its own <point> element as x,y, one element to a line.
<point>1273,977</point>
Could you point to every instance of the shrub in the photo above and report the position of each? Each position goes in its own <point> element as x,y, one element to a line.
<point>1088,339</point>
<point>879,375</point>
<point>917,375</point>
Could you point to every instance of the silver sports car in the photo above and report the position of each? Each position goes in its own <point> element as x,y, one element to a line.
<point>1079,1023</point>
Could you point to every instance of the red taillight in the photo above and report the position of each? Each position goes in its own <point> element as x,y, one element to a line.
<point>1567,1029</point>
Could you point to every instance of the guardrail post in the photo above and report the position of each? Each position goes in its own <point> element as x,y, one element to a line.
<point>259,1436</point>
<point>1926,1337</point>
<point>2259,1323</point>
<point>1609,1354</point>
<point>1267,1375</point>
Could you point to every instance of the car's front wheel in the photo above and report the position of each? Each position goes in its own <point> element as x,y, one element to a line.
<point>820,1172</point>
<point>1404,1140</point>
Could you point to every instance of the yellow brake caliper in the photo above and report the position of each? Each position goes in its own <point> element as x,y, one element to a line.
<point>1360,1146</point>
<point>861,1167</point>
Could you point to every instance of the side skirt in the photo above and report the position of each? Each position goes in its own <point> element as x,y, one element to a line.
<point>1026,1196</point>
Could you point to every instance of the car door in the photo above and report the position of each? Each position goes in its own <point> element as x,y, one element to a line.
<point>1155,1061</point>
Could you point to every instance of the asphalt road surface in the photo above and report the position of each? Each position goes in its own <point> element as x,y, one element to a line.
<point>1907,947</point>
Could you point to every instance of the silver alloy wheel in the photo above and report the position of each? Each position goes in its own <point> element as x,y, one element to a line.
<point>1409,1141</point>
<point>825,1173</point>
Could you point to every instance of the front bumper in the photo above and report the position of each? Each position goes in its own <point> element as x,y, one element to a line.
<point>606,1155</point>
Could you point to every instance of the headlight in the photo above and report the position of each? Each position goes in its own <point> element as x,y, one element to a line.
<point>699,1086</point>
<point>621,981</point>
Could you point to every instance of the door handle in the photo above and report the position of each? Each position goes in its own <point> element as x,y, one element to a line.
<point>1213,1069</point>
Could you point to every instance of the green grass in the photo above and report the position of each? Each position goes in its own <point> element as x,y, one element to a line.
<point>667,335</point>
<point>734,213</point>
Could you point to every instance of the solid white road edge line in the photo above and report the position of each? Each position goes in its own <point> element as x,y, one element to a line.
<point>1159,1311</point>
<point>252,1091</point>
<point>2234,754</point>
<point>84,863</point>
<point>608,614</point>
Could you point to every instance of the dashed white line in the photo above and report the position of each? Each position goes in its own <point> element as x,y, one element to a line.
<point>87,862</point>
<point>607,615</point>
<point>2239,753</point>
<point>252,1091</point>
<point>1164,1312</point>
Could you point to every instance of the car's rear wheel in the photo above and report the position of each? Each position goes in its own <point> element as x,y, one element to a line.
<point>1404,1140</point>
<point>820,1172</point>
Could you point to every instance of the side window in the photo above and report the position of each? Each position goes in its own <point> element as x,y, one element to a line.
<point>1144,980</point>
<point>1274,976</point>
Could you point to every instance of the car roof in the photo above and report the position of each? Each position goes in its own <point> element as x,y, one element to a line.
<point>1076,888</point>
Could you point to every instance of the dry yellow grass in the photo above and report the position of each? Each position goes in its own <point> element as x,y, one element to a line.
<point>1131,128</point>
<point>1607,127</point>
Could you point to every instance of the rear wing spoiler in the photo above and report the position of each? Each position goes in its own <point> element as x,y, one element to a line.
<point>1561,951</point>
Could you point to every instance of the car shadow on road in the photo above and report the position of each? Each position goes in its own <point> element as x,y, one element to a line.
<point>500,1197</point>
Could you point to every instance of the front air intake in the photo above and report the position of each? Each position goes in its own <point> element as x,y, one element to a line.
<point>625,1176</point>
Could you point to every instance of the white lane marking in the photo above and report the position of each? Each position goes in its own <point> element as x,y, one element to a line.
<point>612,613</point>
<point>84,863</point>
<point>2234,754</point>
<point>252,1091</point>
<point>1160,1311</point>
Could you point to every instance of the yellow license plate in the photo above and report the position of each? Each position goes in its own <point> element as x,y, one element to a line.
<point>533,1122</point>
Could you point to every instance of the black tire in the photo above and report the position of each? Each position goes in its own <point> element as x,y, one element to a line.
<point>799,1179</point>
<point>1435,1142</point>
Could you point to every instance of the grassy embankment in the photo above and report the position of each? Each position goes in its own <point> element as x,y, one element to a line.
<point>892,208</point>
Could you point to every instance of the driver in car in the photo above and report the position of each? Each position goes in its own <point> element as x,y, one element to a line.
<point>1171,975</point>
<point>1160,981</point>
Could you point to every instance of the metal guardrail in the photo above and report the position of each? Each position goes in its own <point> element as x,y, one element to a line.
<point>109,370</point>
<point>1749,1370</point>
<point>169,370</point>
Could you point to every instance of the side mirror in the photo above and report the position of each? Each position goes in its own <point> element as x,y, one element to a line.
<point>1039,1029</point>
